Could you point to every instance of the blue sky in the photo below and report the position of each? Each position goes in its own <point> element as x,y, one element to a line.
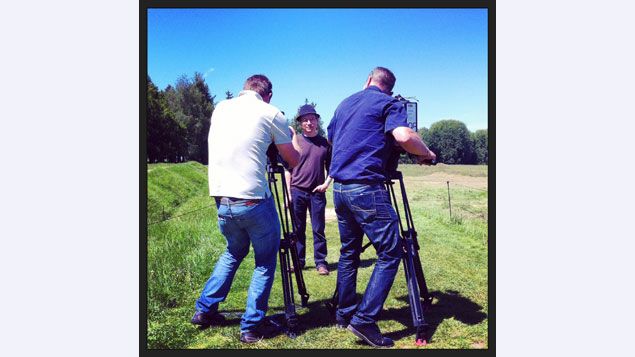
<point>439,56</point>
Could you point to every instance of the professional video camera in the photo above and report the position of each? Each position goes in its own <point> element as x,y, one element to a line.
<point>288,252</point>
<point>395,154</point>
<point>418,294</point>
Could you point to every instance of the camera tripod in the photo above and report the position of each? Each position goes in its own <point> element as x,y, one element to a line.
<point>288,253</point>
<point>418,294</point>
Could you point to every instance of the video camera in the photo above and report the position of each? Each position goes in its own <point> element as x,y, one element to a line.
<point>395,153</point>
<point>273,155</point>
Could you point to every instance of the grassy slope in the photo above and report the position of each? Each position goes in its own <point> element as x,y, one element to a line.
<point>183,249</point>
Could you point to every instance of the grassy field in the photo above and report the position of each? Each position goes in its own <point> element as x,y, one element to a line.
<point>183,244</point>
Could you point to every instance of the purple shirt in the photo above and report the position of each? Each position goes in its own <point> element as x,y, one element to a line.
<point>315,158</point>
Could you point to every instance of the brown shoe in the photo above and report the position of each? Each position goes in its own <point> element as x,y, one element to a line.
<point>323,270</point>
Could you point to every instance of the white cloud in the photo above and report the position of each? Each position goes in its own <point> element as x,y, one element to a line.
<point>208,72</point>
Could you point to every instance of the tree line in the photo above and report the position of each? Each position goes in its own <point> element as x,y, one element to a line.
<point>455,144</point>
<point>178,121</point>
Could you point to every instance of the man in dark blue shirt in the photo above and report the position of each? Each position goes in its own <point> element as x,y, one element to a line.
<point>363,131</point>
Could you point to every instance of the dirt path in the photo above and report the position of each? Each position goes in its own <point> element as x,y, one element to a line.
<point>441,179</point>
<point>330,214</point>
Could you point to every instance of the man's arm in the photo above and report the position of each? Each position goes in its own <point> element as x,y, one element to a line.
<point>287,180</point>
<point>410,141</point>
<point>327,163</point>
<point>291,152</point>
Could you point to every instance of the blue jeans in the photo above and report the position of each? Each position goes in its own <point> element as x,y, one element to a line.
<point>365,209</point>
<point>315,202</point>
<point>242,224</point>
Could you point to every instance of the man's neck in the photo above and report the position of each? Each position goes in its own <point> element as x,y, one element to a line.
<point>314,134</point>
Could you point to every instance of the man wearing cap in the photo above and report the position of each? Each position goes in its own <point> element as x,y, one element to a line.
<point>307,184</point>
<point>363,130</point>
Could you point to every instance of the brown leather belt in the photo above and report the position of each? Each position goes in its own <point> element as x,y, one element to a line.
<point>237,201</point>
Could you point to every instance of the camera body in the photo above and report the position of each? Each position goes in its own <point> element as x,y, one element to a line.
<point>396,150</point>
<point>272,155</point>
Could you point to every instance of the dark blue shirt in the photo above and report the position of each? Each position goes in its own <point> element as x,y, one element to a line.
<point>360,133</point>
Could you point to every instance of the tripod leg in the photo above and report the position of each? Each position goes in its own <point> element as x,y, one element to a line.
<point>416,308</point>
<point>299,277</point>
<point>331,305</point>
<point>293,249</point>
<point>417,288</point>
<point>421,280</point>
<point>290,314</point>
<point>291,317</point>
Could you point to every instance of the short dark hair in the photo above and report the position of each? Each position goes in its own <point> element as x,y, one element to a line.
<point>258,83</point>
<point>384,77</point>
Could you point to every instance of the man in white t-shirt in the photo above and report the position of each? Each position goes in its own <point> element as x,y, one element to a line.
<point>242,128</point>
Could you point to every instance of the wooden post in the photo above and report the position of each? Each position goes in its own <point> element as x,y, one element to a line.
<point>449,202</point>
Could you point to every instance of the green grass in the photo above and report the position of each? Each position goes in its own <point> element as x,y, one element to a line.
<point>184,244</point>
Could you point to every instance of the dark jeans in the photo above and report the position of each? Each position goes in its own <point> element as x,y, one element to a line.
<point>365,209</point>
<point>315,202</point>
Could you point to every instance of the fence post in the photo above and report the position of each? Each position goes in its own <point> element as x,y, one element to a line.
<point>449,202</point>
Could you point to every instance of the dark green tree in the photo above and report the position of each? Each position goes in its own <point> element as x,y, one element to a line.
<point>424,133</point>
<point>481,146</point>
<point>451,142</point>
<point>229,95</point>
<point>165,138</point>
<point>192,105</point>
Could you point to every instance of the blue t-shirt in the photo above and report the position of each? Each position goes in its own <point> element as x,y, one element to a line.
<point>360,133</point>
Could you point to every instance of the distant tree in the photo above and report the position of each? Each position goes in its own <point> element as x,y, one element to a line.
<point>229,95</point>
<point>481,146</point>
<point>406,158</point>
<point>424,133</point>
<point>296,124</point>
<point>165,138</point>
<point>451,142</point>
<point>192,105</point>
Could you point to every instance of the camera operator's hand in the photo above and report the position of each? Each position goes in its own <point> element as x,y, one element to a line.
<point>427,159</point>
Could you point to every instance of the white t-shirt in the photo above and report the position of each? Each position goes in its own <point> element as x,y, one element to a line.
<point>241,130</point>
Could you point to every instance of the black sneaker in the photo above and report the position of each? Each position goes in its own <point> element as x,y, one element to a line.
<point>206,319</point>
<point>250,337</point>
<point>371,334</point>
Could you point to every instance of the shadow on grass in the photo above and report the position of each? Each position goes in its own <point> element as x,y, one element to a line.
<point>314,315</point>
<point>449,304</point>
<point>363,263</point>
